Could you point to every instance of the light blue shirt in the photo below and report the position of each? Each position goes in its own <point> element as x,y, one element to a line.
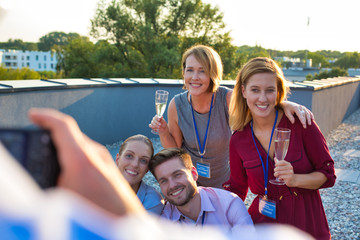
<point>150,198</point>
<point>221,208</point>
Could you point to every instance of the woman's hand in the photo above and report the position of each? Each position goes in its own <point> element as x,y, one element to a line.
<point>284,171</point>
<point>158,124</point>
<point>305,115</point>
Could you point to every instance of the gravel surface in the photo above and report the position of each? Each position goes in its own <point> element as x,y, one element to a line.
<point>341,202</point>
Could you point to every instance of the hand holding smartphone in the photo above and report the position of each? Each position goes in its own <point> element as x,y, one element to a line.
<point>35,151</point>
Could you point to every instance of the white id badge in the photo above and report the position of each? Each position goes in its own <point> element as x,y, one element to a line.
<point>267,207</point>
<point>203,169</point>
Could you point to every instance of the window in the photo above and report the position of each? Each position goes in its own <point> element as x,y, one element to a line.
<point>7,57</point>
<point>7,64</point>
<point>44,58</point>
<point>28,58</point>
<point>45,65</point>
<point>37,57</point>
<point>14,64</point>
<point>52,66</point>
<point>28,64</point>
<point>22,58</point>
<point>39,65</point>
<point>14,57</point>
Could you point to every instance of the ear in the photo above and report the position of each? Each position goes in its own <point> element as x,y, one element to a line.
<point>243,91</point>
<point>117,159</point>
<point>194,173</point>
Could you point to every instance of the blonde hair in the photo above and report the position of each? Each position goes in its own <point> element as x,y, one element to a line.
<point>239,111</point>
<point>211,62</point>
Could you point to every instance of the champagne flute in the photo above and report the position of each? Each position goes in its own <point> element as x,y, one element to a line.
<point>161,98</point>
<point>282,140</point>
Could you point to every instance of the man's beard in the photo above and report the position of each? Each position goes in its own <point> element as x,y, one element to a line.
<point>190,193</point>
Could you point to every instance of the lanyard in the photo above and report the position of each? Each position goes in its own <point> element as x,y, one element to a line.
<point>202,219</point>
<point>201,147</point>
<point>267,156</point>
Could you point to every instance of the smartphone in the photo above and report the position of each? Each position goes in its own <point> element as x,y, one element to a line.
<point>35,151</point>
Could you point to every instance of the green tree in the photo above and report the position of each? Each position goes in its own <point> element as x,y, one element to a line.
<point>349,60</point>
<point>107,59</point>
<point>18,44</point>
<point>335,72</point>
<point>75,59</point>
<point>338,72</point>
<point>54,39</point>
<point>152,34</point>
<point>230,59</point>
<point>299,54</point>
<point>328,54</point>
<point>18,74</point>
<point>258,51</point>
<point>252,52</point>
<point>242,55</point>
<point>50,75</point>
<point>318,60</point>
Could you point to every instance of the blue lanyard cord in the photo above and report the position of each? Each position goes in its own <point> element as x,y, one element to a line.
<point>266,173</point>
<point>201,147</point>
<point>202,219</point>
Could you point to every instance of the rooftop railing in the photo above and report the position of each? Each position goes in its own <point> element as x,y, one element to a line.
<point>109,110</point>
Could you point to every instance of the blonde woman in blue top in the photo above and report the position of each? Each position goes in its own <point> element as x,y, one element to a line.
<point>133,162</point>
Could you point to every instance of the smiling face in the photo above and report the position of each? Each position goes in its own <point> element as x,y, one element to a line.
<point>133,162</point>
<point>197,81</point>
<point>260,93</point>
<point>177,183</point>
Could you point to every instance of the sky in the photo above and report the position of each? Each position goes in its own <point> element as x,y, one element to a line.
<point>277,24</point>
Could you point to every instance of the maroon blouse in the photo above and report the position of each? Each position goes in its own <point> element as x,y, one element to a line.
<point>307,153</point>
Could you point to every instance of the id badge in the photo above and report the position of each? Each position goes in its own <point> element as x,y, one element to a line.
<point>267,207</point>
<point>203,169</point>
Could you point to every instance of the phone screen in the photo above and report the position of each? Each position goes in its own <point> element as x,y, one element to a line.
<point>34,150</point>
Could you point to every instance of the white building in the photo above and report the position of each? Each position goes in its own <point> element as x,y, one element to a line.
<point>38,61</point>
<point>287,59</point>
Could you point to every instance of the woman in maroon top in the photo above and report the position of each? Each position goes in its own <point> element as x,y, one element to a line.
<point>254,113</point>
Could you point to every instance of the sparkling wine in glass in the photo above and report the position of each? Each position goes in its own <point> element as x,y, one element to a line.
<point>161,98</point>
<point>282,140</point>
